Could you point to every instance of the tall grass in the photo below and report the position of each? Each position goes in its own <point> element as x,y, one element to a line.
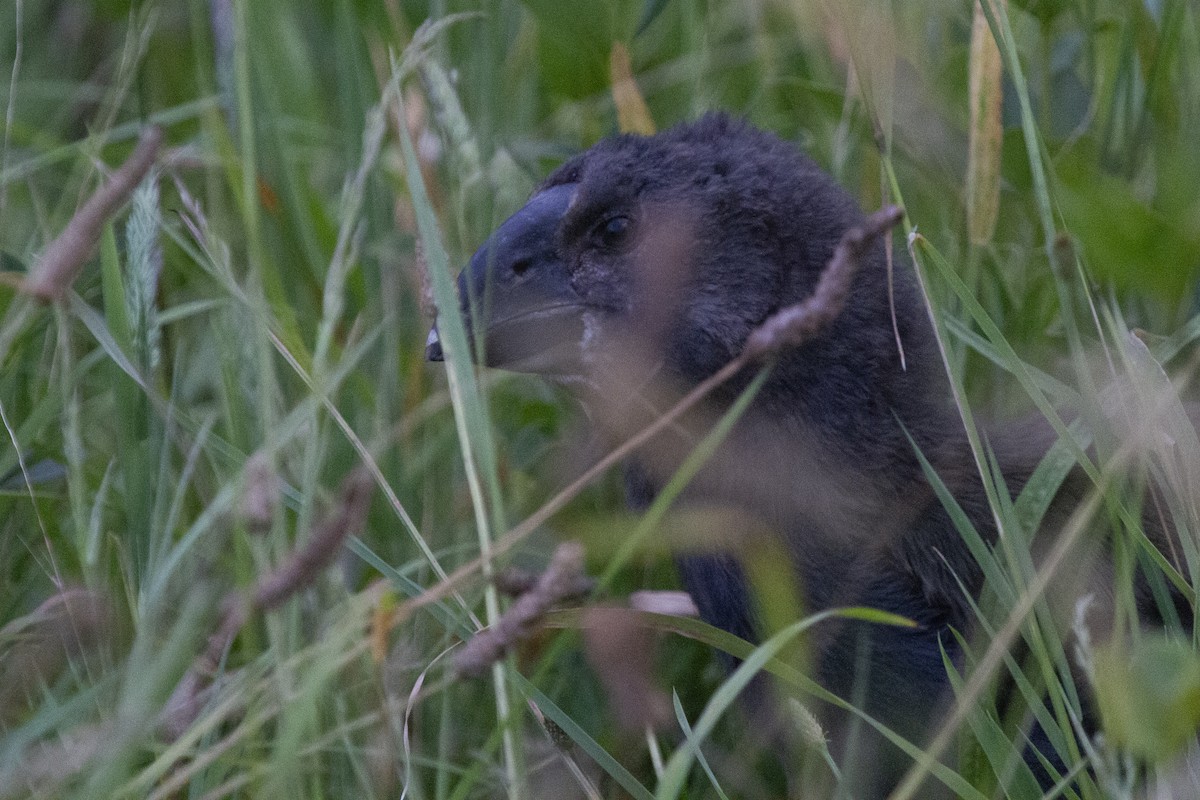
<point>250,329</point>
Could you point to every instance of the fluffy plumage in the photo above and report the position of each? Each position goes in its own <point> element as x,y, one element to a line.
<point>646,261</point>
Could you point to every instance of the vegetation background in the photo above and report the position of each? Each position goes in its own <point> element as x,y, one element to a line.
<point>178,617</point>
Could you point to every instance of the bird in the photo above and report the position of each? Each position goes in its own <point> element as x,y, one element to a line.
<point>637,270</point>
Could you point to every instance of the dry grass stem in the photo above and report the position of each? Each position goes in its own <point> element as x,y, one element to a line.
<point>633,115</point>
<point>45,765</point>
<point>515,582</point>
<point>986,133</point>
<point>36,648</point>
<point>64,257</point>
<point>796,324</point>
<point>347,518</point>
<point>560,581</point>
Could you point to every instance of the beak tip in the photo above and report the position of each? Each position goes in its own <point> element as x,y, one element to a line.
<point>433,346</point>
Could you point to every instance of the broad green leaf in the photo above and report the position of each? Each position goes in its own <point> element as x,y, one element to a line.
<point>1149,695</point>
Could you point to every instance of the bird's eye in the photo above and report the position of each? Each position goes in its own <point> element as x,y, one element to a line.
<point>614,231</point>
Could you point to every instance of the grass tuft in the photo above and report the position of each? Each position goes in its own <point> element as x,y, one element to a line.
<point>224,229</point>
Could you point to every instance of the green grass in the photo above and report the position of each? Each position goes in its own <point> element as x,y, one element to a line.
<point>250,328</point>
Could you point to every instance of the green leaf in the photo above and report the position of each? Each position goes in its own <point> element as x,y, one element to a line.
<point>574,40</point>
<point>686,727</point>
<point>1149,695</point>
<point>1126,240</point>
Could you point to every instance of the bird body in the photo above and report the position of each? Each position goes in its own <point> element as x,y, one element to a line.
<point>640,268</point>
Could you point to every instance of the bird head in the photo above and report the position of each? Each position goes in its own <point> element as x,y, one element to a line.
<point>678,244</point>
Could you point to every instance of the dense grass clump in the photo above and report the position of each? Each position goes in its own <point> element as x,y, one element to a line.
<point>245,528</point>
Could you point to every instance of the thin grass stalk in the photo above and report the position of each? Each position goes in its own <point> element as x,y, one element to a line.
<point>470,417</point>
<point>261,269</point>
<point>333,300</point>
<point>997,17</point>
<point>11,106</point>
<point>691,466</point>
<point>1001,520</point>
<point>291,426</point>
<point>73,448</point>
<point>1072,533</point>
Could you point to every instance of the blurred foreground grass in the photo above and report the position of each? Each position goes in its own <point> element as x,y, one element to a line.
<point>250,330</point>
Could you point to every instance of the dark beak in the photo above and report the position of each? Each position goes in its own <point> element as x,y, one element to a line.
<point>433,346</point>
<point>516,294</point>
